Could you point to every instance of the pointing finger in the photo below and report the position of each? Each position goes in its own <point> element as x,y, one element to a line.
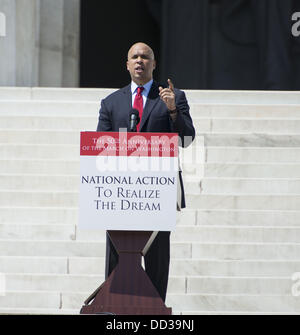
<point>171,86</point>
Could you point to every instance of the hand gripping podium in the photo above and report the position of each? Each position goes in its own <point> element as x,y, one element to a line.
<point>128,187</point>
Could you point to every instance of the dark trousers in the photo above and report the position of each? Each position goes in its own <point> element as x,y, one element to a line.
<point>157,261</point>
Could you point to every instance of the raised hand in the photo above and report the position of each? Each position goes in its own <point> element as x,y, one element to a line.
<point>167,95</point>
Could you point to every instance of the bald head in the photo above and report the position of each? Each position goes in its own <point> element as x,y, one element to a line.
<point>140,63</point>
<point>138,46</point>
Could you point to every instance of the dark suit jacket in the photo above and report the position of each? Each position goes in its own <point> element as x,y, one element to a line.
<point>115,110</point>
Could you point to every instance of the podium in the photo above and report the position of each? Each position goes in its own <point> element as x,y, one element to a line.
<point>131,225</point>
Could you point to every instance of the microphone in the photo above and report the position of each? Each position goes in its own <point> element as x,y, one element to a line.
<point>134,119</point>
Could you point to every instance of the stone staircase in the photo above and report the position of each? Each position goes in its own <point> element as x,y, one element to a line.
<point>235,247</point>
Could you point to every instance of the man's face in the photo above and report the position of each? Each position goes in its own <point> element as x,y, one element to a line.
<point>140,63</point>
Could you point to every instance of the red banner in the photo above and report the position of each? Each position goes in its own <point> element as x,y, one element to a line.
<point>128,144</point>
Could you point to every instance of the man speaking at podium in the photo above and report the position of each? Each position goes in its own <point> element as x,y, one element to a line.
<point>161,109</point>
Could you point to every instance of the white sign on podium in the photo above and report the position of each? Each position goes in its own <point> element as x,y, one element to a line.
<point>128,181</point>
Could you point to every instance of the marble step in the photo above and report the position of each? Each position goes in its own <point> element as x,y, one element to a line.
<point>13,125</point>
<point>39,151</point>
<point>240,112</point>
<point>204,96</point>
<point>201,233</point>
<point>262,217</point>
<point>90,108</point>
<point>55,265</point>
<point>37,311</point>
<point>52,248</point>
<point>203,201</point>
<point>52,282</point>
<point>246,126</point>
<point>239,285</point>
<point>178,267</point>
<point>217,154</point>
<point>211,302</point>
<point>53,108</point>
<point>202,267</point>
<point>15,93</point>
<point>56,137</point>
<point>202,304</point>
<point>182,250</point>
<point>234,302</point>
<point>49,93</point>
<point>229,268</point>
<point>176,284</point>
<point>248,170</point>
<point>53,215</point>
<point>250,140</point>
<point>213,170</point>
<point>46,248</point>
<point>44,302</point>
<point>242,97</point>
<point>42,264</point>
<point>31,299</point>
<point>239,185</point>
<point>39,198</point>
<point>72,283</point>
<point>193,185</point>
<point>201,123</point>
<point>35,232</point>
<point>48,215</point>
<point>37,182</point>
<point>38,215</point>
<point>72,137</point>
<point>49,122</point>
<point>242,202</point>
<point>40,166</point>
<point>221,154</point>
<point>246,251</point>
<point>236,234</point>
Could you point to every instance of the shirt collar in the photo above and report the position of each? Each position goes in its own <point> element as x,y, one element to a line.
<point>146,90</point>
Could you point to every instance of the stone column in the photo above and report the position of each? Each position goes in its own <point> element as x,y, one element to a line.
<point>71,52</point>
<point>27,39</point>
<point>2,24</point>
<point>7,45</point>
<point>59,43</point>
<point>41,43</point>
<point>18,52</point>
<point>51,43</point>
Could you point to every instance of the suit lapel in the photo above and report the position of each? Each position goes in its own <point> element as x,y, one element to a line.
<point>152,99</point>
<point>128,97</point>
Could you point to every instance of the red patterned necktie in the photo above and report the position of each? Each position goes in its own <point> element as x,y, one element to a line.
<point>138,104</point>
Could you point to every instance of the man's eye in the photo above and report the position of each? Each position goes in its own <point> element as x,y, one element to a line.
<point>142,56</point>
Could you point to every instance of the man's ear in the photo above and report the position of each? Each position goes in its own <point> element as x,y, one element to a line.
<point>127,65</point>
<point>154,64</point>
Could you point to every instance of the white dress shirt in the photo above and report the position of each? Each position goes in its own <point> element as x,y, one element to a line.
<point>145,91</point>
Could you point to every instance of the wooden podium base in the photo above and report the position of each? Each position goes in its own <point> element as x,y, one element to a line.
<point>128,290</point>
